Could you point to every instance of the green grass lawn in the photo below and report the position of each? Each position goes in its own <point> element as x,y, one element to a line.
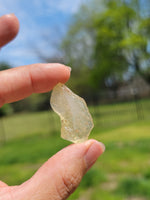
<point>122,172</point>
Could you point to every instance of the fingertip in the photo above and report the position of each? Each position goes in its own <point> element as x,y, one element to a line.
<point>100,145</point>
<point>9,27</point>
<point>60,71</point>
<point>66,71</point>
<point>67,74</point>
<point>12,23</point>
<point>94,150</point>
<point>70,69</point>
<point>64,171</point>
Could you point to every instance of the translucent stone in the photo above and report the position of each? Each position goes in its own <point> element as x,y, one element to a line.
<point>76,121</point>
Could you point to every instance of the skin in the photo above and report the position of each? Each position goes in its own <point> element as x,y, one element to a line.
<point>61,174</point>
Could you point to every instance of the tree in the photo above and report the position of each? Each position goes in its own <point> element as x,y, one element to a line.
<point>109,39</point>
<point>4,66</point>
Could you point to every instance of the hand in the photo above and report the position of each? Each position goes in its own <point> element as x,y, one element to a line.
<point>62,173</point>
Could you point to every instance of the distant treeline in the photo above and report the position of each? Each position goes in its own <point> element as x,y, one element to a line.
<point>107,45</point>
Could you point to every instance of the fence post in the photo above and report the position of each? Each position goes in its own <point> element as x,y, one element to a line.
<point>139,108</point>
<point>3,133</point>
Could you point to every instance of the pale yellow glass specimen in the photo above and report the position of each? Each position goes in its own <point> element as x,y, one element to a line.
<point>76,121</point>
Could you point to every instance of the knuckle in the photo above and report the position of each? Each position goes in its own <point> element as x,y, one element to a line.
<point>68,184</point>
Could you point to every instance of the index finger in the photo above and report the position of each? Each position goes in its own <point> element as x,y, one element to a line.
<point>18,83</point>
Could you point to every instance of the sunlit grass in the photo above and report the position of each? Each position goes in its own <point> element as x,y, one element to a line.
<point>32,138</point>
<point>129,132</point>
<point>30,123</point>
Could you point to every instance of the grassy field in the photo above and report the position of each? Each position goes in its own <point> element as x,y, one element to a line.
<point>122,172</point>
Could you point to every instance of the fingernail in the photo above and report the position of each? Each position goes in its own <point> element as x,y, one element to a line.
<point>69,68</point>
<point>10,14</point>
<point>102,146</point>
<point>94,151</point>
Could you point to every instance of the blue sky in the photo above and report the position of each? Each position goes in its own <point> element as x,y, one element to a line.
<point>37,18</point>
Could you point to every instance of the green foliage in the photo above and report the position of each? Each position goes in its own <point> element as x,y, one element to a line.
<point>4,66</point>
<point>146,174</point>
<point>6,110</point>
<point>110,38</point>
<point>93,178</point>
<point>135,186</point>
<point>35,102</point>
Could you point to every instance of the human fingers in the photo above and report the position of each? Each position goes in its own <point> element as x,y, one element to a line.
<point>61,174</point>
<point>2,184</point>
<point>9,27</point>
<point>18,83</point>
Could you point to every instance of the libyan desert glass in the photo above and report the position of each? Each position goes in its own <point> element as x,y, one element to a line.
<point>76,121</point>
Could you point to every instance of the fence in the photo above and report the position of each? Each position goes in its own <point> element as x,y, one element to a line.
<point>118,108</point>
<point>2,132</point>
<point>107,116</point>
<point>104,115</point>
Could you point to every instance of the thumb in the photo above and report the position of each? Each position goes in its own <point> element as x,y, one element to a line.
<point>62,173</point>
